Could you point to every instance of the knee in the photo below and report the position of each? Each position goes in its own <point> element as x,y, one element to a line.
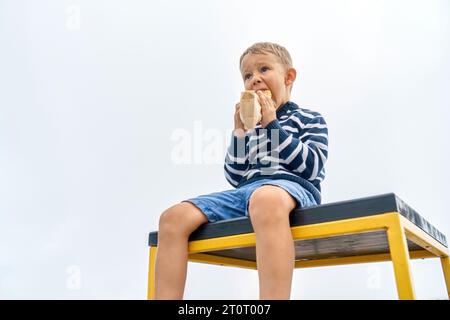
<point>171,222</point>
<point>269,205</point>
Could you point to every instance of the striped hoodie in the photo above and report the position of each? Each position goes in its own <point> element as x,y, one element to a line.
<point>294,146</point>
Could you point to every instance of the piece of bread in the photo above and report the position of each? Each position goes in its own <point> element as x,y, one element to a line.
<point>250,108</point>
<point>267,93</point>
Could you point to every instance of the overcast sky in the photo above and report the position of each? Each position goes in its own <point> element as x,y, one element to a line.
<point>94,96</point>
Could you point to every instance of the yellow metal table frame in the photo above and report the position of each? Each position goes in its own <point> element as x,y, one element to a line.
<point>397,227</point>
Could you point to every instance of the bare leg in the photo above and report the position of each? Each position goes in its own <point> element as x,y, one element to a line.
<point>269,210</point>
<point>175,226</point>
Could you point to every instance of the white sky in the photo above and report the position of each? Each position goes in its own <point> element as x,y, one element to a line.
<point>92,92</point>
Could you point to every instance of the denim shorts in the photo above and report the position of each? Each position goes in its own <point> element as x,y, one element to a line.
<point>233,203</point>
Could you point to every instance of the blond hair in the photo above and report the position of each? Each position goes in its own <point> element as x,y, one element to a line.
<point>268,47</point>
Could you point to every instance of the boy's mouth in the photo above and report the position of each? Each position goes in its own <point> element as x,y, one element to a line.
<point>266,92</point>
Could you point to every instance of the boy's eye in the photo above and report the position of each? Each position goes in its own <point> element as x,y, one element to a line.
<point>264,69</point>
<point>247,76</point>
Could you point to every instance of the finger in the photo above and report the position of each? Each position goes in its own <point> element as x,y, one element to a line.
<point>261,97</point>
<point>260,94</point>
<point>263,102</point>
<point>264,96</point>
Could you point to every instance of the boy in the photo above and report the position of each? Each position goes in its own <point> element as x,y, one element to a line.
<point>275,167</point>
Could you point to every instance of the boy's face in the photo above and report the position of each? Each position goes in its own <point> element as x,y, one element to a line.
<point>266,72</point>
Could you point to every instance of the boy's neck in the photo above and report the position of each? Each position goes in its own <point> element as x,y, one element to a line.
<point>283,103</point>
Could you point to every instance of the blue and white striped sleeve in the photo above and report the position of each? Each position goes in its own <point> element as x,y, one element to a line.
<point>306,154</point>
<point>236,160</point>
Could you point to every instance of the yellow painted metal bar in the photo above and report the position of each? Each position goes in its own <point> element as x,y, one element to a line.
<point>222,243</point>
<point>223,261</point>
<point>151,273</point>
<point>233,262</point>
<point>446,268</point>
<point>421,238</point>
<point>319,230</point>
<point>381,257</point>
<point>345,226</point>
<point>400,259</point>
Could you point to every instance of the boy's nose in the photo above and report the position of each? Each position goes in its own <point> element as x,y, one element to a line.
<point>256,81</point>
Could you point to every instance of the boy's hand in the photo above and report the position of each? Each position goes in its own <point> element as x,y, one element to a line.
<point>239,129</point>
<point>268,110</point>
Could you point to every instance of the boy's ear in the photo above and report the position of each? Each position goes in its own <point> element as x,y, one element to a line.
<point>291,74</point>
